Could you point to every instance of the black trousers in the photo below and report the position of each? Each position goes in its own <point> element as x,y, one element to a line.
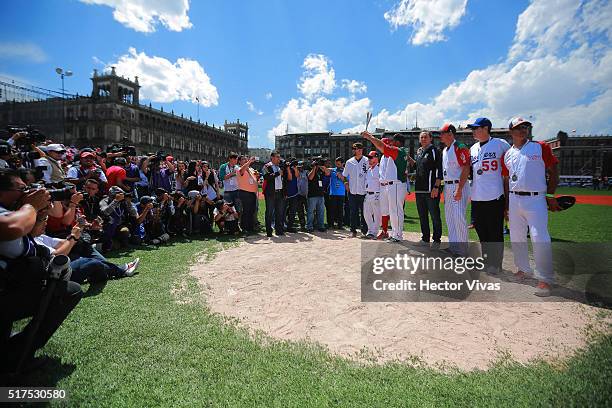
<point>335,211</point>
<point>429,206</point>
<point>301,211</point>
<point>356,208</point>
<point>247,217</point>
<point>275,212</point>
<point>22,302</point>
<point>291,210</point>
<point>489,225</point>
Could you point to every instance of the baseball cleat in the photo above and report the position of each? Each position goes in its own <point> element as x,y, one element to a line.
<point>543,289</point>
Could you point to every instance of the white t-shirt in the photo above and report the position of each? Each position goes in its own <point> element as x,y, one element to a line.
<point>47,241</point>
<point>231,184</point>
<point>487,181</point>
<point>356,172</point>
<point>373,180</point>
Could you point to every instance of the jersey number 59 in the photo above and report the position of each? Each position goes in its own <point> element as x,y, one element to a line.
<point>489,165</point>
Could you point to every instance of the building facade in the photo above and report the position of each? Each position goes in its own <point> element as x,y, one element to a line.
<point>586,155</point>
<point>112,112</point>
<point>332,145</point>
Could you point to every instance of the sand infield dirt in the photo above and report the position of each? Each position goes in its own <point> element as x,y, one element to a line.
<point>307,287</point>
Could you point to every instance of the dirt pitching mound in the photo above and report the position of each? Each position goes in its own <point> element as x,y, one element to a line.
<point>307,287</point>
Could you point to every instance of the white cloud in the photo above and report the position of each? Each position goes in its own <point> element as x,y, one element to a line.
<point>268,95</point>
<point>22,51</point>
<point>559,73</point>
<point>429,18</point>
<point>251,107</point>
<point>144,15</point>
<point>318,78</point>
<point>354,87</point>
<point>315,110</point>
<point>164,81</point>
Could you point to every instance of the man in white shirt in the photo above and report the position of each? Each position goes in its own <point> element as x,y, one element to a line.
<point>355,171</point>
<point>488,198</point>
<point>371,206</point>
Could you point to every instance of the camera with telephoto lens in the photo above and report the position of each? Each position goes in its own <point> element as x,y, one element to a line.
<point>59,268</point>
<point>318,161</point>
<point>62,193</point>
<point>32,135</point>
<point>123,147</point>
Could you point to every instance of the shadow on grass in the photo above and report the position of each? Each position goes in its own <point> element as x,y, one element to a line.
<point>48,375</point>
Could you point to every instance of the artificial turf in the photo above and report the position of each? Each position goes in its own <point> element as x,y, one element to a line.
<point>151,341</point>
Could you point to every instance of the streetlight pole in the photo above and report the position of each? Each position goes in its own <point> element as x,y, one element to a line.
<point>62,73</point>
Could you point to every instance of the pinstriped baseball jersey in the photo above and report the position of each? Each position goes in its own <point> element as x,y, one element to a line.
<point>453,158</point>
<point>526,166</point>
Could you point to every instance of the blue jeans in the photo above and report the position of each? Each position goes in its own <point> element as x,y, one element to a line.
<point>315,204</point>
<point>234,197</point>
<point>93,270</point>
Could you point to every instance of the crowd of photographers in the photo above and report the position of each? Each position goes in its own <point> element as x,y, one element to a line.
<point>65,206</point>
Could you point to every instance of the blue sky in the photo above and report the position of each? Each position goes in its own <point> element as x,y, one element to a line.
<point>478,58</point>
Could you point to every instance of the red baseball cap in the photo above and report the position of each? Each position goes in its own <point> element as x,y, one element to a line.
<point>169,158</point>
<point>448,127</point>
<point>373,153</point>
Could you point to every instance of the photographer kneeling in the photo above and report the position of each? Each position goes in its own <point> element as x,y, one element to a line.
<point>23,271</point>
<point>92,267</point>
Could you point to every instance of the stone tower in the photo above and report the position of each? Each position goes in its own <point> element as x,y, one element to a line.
<point>109,86</point>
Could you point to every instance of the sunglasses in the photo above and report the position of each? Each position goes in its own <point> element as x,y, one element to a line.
<point>523,127</point>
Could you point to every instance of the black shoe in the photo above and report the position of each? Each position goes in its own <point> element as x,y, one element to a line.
<point>280,234</point>
<point>269,234</point>
<point>292,230</point>
<point>322,230</point>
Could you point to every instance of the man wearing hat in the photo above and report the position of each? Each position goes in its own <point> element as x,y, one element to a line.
<point>455,170</point>
<point>524,168</point>
<point>86,169</point>
<point>488,198</point>
<point>392,181</point>
<point>53,172</point>
<point>371,206</point>
<point>355,170</point>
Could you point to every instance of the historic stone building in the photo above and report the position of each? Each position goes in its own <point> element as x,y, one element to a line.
<point>586,155</point>
<point>332,145</point>
<point>113,112</point>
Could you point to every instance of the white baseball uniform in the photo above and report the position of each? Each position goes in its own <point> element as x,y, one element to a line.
<point>392,171</point>
<point>525,168</point>
<point>371,205</point>
<point>454,158</point>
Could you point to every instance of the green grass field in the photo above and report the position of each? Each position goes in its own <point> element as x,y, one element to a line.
<point>151,341</point>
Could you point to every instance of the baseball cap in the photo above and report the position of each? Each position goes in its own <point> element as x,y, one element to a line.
<point>357,145</point>
<point>448,127</point>
<point>114,190</point>
<point>120,161</point>
<point>169,158</point>
<point>87,154</point>
<point>514,122</point>
<point>56,147</point>
<point>193,194</point>
<point>144,200</point>
<point>385,140</point>
<point>372,154</point>
<point>480,122</point>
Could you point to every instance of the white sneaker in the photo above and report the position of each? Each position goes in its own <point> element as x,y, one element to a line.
<point>542,290</point>
<point>131,267</point>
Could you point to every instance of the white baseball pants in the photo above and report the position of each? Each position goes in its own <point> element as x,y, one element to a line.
<point>392,204</point>
<point>456,220</point>
<point>371,212</point>
<point>532,212</point>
